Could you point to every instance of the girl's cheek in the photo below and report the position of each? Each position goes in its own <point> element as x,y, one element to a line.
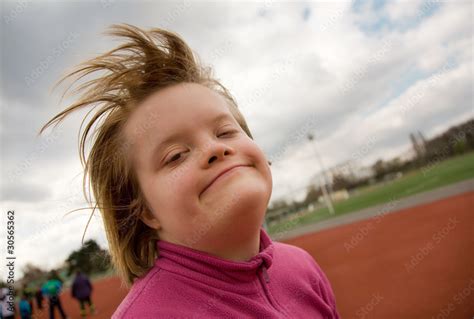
<point>178,180</point>
<point>175,175</point>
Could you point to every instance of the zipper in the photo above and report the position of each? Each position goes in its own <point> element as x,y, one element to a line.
<point>265,274</point>
<point>264,278</point>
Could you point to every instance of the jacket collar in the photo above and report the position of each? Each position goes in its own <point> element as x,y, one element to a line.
<point>212,270</point>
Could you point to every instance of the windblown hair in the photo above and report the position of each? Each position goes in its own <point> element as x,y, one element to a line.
<point>147,61</point>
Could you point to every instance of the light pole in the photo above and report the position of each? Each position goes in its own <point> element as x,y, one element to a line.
<point>327,198</point>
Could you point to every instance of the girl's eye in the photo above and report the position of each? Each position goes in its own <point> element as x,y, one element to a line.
<point>227,133</point>
<point>174,158</point>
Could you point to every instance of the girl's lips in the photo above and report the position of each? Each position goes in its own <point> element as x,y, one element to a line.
<point>227,172</point>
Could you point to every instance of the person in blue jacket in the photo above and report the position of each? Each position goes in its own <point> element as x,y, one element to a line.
<point>81,290</point>
<point>25,307</point>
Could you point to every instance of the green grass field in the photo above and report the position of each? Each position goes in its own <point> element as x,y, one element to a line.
<point>432,176</point>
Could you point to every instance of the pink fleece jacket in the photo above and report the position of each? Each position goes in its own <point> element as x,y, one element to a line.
<point>281,281</point>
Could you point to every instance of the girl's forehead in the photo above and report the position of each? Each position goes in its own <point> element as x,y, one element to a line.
<point>159,122</point>
<point>181,101</point>
<point>178,106</point>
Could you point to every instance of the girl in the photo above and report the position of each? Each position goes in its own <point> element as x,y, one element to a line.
<point>183,189</point>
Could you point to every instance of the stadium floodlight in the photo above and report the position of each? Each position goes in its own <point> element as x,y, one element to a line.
<point>323,181</point>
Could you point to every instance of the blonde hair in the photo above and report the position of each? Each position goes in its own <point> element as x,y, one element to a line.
<point>148,61</point>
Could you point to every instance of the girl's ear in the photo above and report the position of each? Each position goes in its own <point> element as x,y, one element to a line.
<point>151,221</point>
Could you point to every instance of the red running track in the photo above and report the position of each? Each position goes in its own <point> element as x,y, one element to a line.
<point>416,263</point>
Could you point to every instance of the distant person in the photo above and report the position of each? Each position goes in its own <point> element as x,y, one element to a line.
<point>53,274</point>
<point>5,311</point>
<point>29,294</point>
<point>81,290</point>
<point>39,298</point>
<point>52,289</point>
<point>25,307</point>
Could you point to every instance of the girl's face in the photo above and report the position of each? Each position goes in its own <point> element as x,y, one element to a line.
<point>183,138</point>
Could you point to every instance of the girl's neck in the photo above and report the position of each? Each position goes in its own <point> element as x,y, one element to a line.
<point>235,248</point>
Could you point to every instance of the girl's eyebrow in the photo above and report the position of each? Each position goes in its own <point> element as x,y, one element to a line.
<point>175,136</point>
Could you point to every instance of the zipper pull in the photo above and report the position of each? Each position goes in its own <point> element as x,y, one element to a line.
<point>265,274</point>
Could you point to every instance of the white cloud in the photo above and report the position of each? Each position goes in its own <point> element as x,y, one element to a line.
<point>401,10</point>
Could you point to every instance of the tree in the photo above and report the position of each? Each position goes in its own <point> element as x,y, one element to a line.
<point>32,273</point>
<point>90,258</point>
<point>460,146</point>
<point>379,169</point>
<point>341,182</point>
<point>312,194</point>
<point>278,204</point>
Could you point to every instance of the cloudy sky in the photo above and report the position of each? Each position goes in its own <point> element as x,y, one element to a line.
<point>359,75</point>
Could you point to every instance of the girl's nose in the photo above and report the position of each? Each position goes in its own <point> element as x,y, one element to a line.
<point>216,151</point>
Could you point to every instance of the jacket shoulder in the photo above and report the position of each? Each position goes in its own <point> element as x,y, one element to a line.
<point>298,258</point>
<point>298,261</point>
<point>294,256</point>
<point>137,297</point>
<point>153,296</point>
